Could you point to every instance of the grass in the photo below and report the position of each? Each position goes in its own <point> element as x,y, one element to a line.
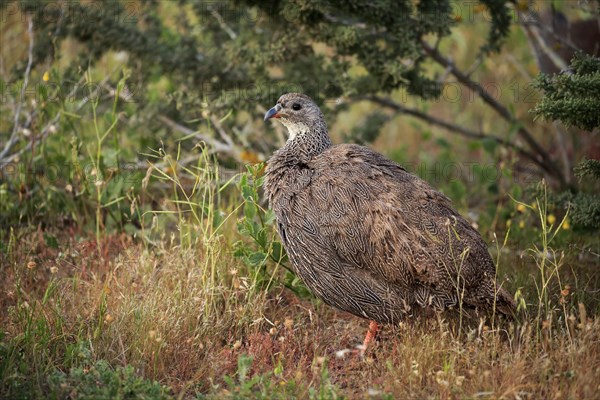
<point>192,312</point>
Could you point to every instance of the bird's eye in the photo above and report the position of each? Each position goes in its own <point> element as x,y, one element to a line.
<point>296,106</point>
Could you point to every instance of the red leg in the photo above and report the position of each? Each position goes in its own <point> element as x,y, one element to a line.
<point>371,333</point>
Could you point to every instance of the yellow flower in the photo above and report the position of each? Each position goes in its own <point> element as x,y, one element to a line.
<point>508,223</point>
<point>521,207</point>
<point>521,224</point>
<point>551,219</point>
<point>46,77</point>
<point>565,225</point>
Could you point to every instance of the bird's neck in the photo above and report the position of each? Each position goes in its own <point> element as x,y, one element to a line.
<point>306,142</point>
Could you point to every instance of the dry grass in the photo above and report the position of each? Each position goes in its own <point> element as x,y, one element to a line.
<point>182,309</point>
<point>177,321</point>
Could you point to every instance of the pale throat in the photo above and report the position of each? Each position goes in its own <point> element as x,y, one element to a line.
<point>295,129</point>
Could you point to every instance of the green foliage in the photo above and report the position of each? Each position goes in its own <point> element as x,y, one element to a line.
<point>588,168</point>
<point>215,50</point>
<point>572,96</point>
<point>87,381</point>
<point>500,24</point>
<point>100,381</point>
<point>584,208</point>
<point>258,224</point>
<point>242,386</point>
<point>368,130</point>
<point>78,169</point>
<point>268,385</point>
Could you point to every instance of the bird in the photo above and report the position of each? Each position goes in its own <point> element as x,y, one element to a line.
<point>368,237</point>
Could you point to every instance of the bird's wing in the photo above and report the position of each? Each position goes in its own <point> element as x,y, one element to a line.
<point>384,220</point>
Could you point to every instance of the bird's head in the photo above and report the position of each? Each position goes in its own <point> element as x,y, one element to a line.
<point>299,113</point>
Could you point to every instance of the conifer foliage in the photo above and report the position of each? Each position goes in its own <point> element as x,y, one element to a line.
<point>573,98</point>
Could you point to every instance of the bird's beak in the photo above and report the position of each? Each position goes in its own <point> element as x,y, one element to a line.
<point>273,112</point>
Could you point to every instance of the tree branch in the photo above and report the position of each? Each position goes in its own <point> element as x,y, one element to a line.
<point>15,132</point>
<point>217,146</point>
<point>542,157</point>
<point>534,36</point>
<point>447,125</point>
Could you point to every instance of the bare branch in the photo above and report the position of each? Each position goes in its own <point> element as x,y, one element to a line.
<point>216,145</point>
<point>535,21</point>
<point>224,135</point>
<point>533,34</point>
<point>542,158</point>
<point>222,23</point>
<point>15,132</point>
<point>447,125</point>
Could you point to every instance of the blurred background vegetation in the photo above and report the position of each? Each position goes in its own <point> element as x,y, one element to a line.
<point>129,124</point>
<point>89,89</point>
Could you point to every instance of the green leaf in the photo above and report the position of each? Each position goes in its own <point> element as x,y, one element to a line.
<point>261,238</point>
<point>248,193</point>
<point>256,259</point>
<point>269,217</point>
<point>249,210</point>
<point>278,252</point>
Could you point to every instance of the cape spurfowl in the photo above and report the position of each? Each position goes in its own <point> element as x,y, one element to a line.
<point>365,235</point>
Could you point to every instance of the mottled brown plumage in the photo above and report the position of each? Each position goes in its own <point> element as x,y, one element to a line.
<point>365,235</point>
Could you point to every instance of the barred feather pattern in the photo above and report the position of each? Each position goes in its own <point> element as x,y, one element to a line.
<point>368,237</point>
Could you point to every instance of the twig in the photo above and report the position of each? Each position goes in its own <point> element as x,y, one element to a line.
<point>223,24</point>
<point>564,41</point>
<point>518,65</point>
<point>15,132</point>
<point>533,33</point>
<point>447,125</point>
<point>217,146</point>
<point>222,133</point>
